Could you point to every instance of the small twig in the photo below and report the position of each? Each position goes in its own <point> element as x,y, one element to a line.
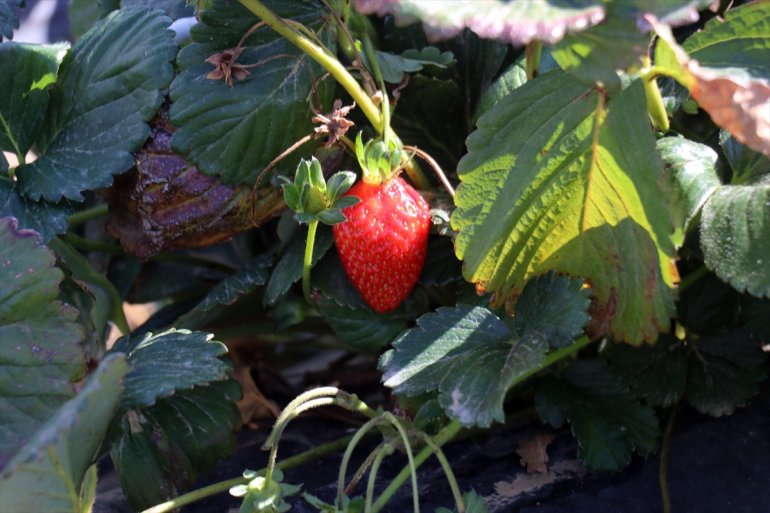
<point>435,165</point>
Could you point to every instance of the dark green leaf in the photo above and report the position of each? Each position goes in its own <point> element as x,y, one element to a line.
<point>39,339</point>
<point>163,364</point>
<point>175,9</point>
<point>393,66</point>
<point>469,355</point>
<point>109,86</point>
<point>441,265</point>
<point>8,19</point>
<point>83,14</point>
<point>236,131</point>
<point>107,303</point>
<point>47,473</point>
<point>230,289</point>
<point>429,115</point>
<point>714,374</point>
<point>26,72</point>
<point>689,179</point>
<point>339,184</point>
<point>724,372</point>
<point>357,325</point>
<point>735,237</point>
<point>607,421</point>
<point>657,373</point>
<point>163,448</point>
<point>748,166</point>
<point>514,22</point>
<point>512,78</point>
<point>289,267</point>
<point>553,308</point>
<point>551,183</point>
<point>45,218</point>
<point>708,306</point>
<point>331,216</point>
<point>757,314</point>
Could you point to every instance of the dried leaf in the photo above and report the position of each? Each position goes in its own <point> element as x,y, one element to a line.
<point>534,453</point>
<point>253,404</point>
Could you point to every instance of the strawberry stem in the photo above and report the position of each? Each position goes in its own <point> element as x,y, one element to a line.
<point>385,106</point>
<point>307,264</point>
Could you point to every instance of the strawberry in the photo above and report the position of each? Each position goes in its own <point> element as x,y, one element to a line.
<point>383,243</point>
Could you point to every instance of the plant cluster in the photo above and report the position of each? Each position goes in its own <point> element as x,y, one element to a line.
<point>605,257</point>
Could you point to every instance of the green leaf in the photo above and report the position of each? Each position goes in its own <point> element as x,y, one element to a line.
<point>430,115</point>
<point>657,373</point>
<point>357,325</point>
<point>748,166</point>
<point>107,303</point>
<point>757,315</point>
<point>514,22</point>
<point>724,372</point>
<point>26,72</point>
<point>714,374</point>
<point>47,219</point>
<point>736,44</point>
<point>234,132</point>
<point>109,86</point>
<point>162,449</point>
<point>469,354</point>
<point>512,78</point>
<point>553,308</point>
<point>163,364</point>
<point>39,339</point>
<point>83,14</point>
<point>393,67</point>
<point>689,179</point>
<point>552,183</point>
<point>735,237</point>
<point>47,473</point>
<point>174,9</point>
<point>606,420</point>
<point>289,268</point>
<point>253,274</point>
<point>8,19</point>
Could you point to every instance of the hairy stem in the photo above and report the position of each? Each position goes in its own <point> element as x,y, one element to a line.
<point>223,486</point>
<point>451,430</point>
<point>386,450</point>
<point>308,263</point>
<point>329,62</point>
<point>450,475</point>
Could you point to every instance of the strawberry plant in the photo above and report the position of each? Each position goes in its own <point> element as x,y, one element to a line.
<point>557,211</point>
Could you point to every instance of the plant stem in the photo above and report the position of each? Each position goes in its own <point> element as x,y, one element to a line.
<point>223,486</point>
<point>381,454</point>
<point>88,214</point>
<point>450,475</point>
<point>655,107</point>
<point>443,436</point>
<point>372,58</point>
<point>663,471</point>
<point>357,436</point>
<point>308,263</point>
<point>76,241</point>
<point>14,143</point>
<point>329,62</point>
<point>533,52</point>
<point>451,430</point>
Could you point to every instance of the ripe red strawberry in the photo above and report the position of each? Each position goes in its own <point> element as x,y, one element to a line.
<point>383,243</point>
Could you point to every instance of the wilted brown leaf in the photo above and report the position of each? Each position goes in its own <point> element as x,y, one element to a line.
<point>253,404</point>
<point>534,452</point>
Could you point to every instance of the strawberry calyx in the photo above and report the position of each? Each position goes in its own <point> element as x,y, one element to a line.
<point>313,199</point>
<point>379,160</point>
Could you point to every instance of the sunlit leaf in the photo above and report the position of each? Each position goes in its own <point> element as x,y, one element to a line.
<point>551,182</point>
<point>466,353</point>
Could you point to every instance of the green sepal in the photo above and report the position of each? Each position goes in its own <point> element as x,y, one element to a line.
<point>378,159</point>
<point>312,199</point>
